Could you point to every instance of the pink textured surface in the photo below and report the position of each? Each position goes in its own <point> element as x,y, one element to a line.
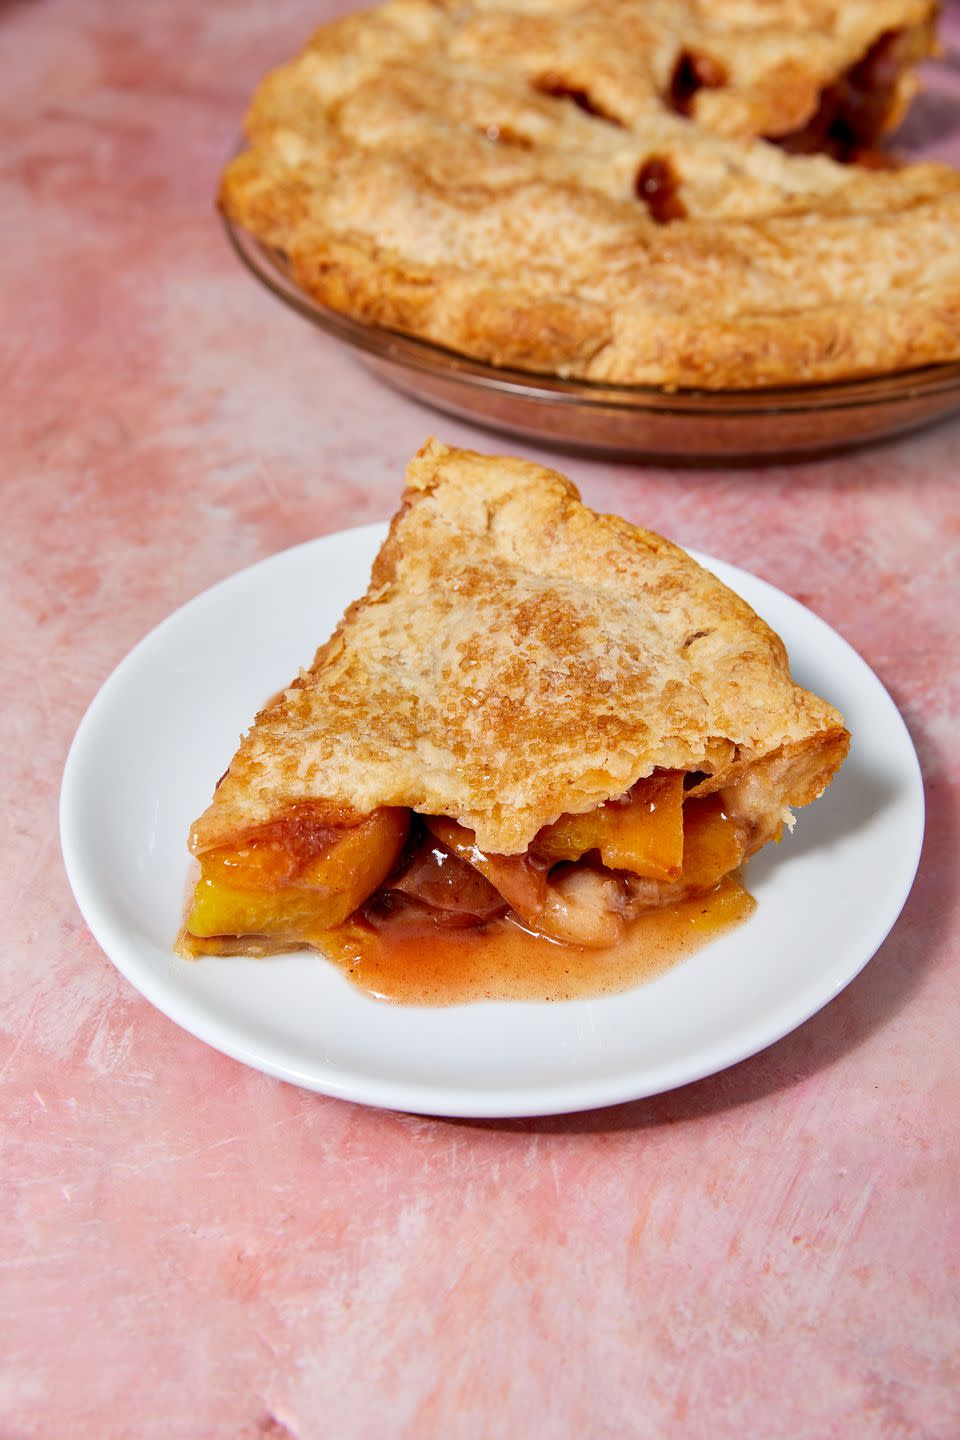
<point>189,1249</point>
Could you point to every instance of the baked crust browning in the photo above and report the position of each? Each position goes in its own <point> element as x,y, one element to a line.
<point>518,657</point>
<point>581,189</point>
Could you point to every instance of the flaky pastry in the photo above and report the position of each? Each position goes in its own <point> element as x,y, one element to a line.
<point>589,188</point>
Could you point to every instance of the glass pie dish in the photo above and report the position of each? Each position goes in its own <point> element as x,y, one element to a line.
<point>693,427</point>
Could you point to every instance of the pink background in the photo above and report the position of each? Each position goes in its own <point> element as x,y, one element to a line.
<point>190,1249</point>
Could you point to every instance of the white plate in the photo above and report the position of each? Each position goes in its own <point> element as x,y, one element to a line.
<point>164,726</point>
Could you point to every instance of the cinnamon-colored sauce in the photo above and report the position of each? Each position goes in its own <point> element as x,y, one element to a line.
<point>693,72</point>
<point>501,961</point>
<point>657,185</point>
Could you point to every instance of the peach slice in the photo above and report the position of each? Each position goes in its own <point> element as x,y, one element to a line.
<point>264,888</point>
<point>714,843</point>
<point>643,834</point>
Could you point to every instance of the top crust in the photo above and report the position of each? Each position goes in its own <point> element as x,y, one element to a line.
<point>477,174</point>
<point>517,657</point>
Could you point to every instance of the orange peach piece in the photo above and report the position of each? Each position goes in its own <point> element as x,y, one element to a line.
<point>237,892</point>
<point>643,835</point>
<point>714,842</point>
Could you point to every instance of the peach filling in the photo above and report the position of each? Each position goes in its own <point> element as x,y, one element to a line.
<point>579,883</point>
<point>714,843</point>
<point>642,833</point>
<point>270,886</point>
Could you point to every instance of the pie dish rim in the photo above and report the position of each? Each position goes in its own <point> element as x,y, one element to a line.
<point>582,407</point>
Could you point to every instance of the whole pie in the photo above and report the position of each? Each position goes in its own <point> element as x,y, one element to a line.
<point>666,192</point>
<point>538,719</point>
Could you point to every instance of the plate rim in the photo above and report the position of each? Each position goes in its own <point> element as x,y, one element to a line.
<point>546,1098</point>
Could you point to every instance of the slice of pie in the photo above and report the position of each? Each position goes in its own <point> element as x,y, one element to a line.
<point>537,717</point>
<point>624,191</point>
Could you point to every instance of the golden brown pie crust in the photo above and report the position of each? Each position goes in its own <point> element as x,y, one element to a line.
<point>518,657</point>
<point>480,176</point>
